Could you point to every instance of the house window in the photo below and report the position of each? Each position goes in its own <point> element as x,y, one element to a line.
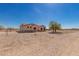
<point>27,26</point>
<point>41,29</point>
<point>34,28</point>
<point>30,27</point>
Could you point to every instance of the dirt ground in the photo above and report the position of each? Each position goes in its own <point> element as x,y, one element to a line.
<point>63,43</point>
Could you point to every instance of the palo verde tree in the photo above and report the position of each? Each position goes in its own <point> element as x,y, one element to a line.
<point>53,25</point>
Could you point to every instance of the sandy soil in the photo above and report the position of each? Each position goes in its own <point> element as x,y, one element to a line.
<point>39,44</point>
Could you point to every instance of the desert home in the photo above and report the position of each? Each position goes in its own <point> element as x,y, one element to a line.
<point>32,27</point>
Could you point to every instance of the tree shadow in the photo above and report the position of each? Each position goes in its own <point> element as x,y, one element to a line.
<point>55,32</point>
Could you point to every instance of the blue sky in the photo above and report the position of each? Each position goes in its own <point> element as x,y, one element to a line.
<point>12,15</point>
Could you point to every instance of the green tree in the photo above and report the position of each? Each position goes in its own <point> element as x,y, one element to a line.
<point>53,25</point>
